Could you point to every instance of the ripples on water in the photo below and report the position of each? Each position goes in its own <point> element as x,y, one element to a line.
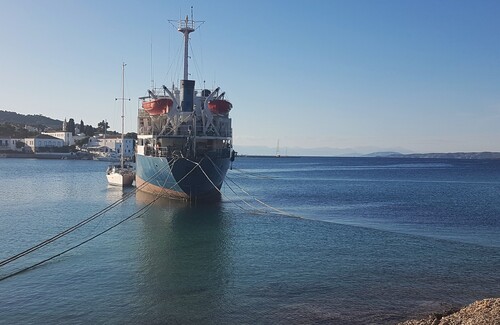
<point>381,240</point>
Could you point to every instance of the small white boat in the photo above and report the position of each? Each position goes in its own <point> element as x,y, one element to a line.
<point>122,174</point>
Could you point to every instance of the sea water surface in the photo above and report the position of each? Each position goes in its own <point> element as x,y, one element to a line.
<point>293,241</point>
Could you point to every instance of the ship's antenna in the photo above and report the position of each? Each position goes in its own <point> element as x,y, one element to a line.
<point>186,27</point>
<point>152,74</point>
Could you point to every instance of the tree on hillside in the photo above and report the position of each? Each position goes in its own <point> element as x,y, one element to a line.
<point>82,126</point>
<point>89,130</point>
<point>15,131</point>
<point>131,135</point>
<point>7,130</point>
<point>102,126</point>
<point>81,142</point>
<point>71,126</point>
<point>15,118</point>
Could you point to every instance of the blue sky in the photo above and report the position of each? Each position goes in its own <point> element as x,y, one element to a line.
<point>422,76</point>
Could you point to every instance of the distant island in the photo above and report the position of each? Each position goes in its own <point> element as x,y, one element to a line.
<point>32,120</point>
<point>19,125</point>
<point>450,155</point>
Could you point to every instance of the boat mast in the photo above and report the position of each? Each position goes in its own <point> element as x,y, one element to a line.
<point>123,113</point>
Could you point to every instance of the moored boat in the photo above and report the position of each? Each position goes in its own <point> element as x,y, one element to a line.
<point>185,150</point>
<point>122,174</point>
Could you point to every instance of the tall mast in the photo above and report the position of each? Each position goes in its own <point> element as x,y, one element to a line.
<point>186,27</point>
<point>123,112</point>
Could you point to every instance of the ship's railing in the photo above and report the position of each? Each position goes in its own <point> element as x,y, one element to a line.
<point>198,91</point>
<point>171,151</point>
<point>167,151</point>
<point>149,126</point>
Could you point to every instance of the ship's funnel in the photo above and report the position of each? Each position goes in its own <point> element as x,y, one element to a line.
<point>187,93</point>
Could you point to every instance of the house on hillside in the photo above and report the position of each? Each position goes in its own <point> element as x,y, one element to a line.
<point>66,136</point>
<point>42,142</point>
<point>31,128</point>
<point>112,144</point>
<point>8,143</point>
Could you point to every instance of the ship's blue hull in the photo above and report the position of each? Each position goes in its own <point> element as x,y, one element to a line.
<point>181,178</point>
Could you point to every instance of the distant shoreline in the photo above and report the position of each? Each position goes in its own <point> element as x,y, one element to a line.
<point>44,155</point>
<point>455,155</point>
<point>452,155</point>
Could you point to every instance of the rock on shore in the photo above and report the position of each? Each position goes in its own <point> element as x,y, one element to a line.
<point>482,312</point>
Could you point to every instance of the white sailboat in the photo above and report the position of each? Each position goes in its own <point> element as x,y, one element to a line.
<point>122,174</point>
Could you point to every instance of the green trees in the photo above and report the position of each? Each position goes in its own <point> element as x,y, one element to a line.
<point>89,130</point>
<point>15,131</point>
<point>131,135</point>
<point>81,142</point>
<point>20,144</point>
<point>71,126</point>
<point>7,129</point>
<point>102,126</point>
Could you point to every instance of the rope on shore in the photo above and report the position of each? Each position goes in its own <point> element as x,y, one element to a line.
<point>80,224</point>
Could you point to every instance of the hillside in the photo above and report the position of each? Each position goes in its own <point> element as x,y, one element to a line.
<point>34,120</point>
<point>450,155</point>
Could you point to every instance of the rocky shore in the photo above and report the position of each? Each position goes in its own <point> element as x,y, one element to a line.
<point>481,312</point>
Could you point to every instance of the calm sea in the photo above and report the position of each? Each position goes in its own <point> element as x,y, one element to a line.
<point>337,241</point>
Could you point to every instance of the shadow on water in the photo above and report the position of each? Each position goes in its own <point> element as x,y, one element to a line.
<point>184,267</point>
<point>115,193</point>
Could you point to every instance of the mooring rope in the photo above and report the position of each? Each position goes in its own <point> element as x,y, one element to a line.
<point>81,223</point>
<point>137,213</point>
<point>211,182</point>
<point>78,245</point>
<point>277,211</point>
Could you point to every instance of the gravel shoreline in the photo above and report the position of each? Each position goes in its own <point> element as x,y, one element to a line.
<point>481,312</point>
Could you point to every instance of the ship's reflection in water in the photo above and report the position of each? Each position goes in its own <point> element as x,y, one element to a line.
<point>184,268</point>
<point>115,193</point>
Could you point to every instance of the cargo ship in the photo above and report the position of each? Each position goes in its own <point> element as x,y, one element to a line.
<point>184,136</point>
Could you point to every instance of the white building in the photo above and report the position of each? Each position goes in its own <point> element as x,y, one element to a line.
<point>8,143</point>
<point>113,144</point>
<point>31,128</point>
<point>67,137</point>
<point>42,142</point>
